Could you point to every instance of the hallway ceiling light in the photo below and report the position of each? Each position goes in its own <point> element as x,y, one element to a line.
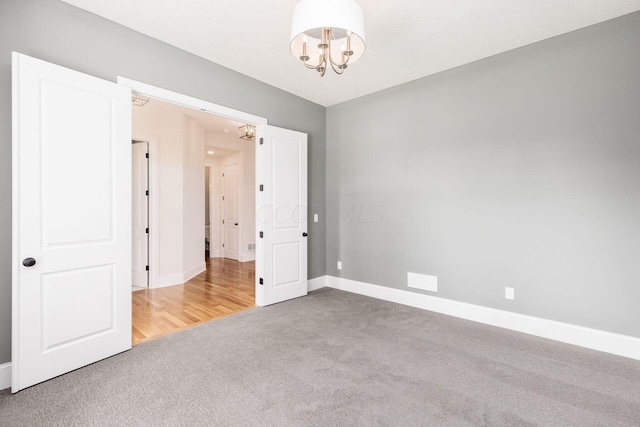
<point>334,27</point>
<point>139,100</point>
<point>247,132</point>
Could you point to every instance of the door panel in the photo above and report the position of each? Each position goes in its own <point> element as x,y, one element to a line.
<point>282,216</point>
<point>71,213</point>
<point>60,314</point>
<point>287,257</point>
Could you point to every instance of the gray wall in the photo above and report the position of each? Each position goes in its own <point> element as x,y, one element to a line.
<point>520,170</point>
<point>67,36</point>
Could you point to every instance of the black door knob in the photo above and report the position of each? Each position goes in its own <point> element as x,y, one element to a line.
<point>29,262</point>
<point>304,234</point>
<point>236,223</point>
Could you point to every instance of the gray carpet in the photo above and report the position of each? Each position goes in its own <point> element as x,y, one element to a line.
<point>334,358</point>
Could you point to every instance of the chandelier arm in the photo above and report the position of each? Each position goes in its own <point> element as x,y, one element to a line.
<point>336,68</point>
<point>338,64</point>
<point>322,67</point>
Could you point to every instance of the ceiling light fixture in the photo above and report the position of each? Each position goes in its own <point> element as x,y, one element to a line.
<point>139,100</point>
<point>247,132</point>
<point>335,27</point>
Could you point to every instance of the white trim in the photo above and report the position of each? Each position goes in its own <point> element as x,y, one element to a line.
<point>248,256</point>
<point>170,280</point>
<point>316,283</point>
<point>15,213</point>
<point>152,146</point>
<point>5,376</point>
<point>181,278</point>
<point>259,268</point>
<point>190,274</point>
<point>190,102</point>
<point>218,253</point>
<point>608,342</point>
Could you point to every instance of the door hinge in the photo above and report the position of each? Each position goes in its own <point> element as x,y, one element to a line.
<point>261,141</point>
<point>146,230</point>
<point>222,197</point>
<point>146,155</point>
<point>261,281</point>
<point>223,245</point>
<point>146,192</point>
<point>223,174</point>
<point>261,187</point>
<point>261,235</point>
<point>147,268</point>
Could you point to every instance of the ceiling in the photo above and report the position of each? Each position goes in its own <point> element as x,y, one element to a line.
<point>210,123</point>
<point>406,39</point>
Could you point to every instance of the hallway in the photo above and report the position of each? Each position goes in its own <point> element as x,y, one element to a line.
<point>226,287</point>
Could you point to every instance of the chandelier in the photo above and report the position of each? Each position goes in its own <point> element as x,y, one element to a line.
<point>247,132</point>
<point>327,33</point>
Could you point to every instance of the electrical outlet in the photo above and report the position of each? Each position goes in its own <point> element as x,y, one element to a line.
<point>339,265</point>
<point>509,293</point>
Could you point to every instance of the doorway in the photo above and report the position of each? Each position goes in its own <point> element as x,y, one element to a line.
<point>206,220</point>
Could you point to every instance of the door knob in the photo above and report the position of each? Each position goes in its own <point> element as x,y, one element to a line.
<point>29,262</point>
<point>236,223</point>
<point>304,234</point>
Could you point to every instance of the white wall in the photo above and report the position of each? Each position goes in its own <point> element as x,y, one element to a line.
<point>193,200</point>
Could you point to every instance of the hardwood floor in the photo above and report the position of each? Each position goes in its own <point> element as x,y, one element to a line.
<point>226,287</point>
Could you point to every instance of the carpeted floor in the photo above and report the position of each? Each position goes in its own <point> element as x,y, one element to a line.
<point>335,358</point>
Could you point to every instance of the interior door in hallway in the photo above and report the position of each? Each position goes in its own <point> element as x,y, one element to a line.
<point>140,214</point>
<point>71,231</point>
<point>231,211</point>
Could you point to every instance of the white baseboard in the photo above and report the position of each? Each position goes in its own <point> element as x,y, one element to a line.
<point>248,256</point>
<point>179,279</point>
<point>216,254</point>
<point>316,283</point>
<point>5,376</point>
<point>621,345</point>
<point>170,280</point>
<point>193,272</point>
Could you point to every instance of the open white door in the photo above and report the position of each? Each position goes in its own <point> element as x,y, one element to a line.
<point>140,214</point>
<point>282,216</point>
<point>71,220</point>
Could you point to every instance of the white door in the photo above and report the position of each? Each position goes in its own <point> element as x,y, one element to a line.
<point>231,211</point>
<point>282,216</point>
<point>71,220</point>
<point>139,214</point>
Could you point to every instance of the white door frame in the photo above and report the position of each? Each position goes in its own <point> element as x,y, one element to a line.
<point>208,107</point>
<point>152,147</point>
